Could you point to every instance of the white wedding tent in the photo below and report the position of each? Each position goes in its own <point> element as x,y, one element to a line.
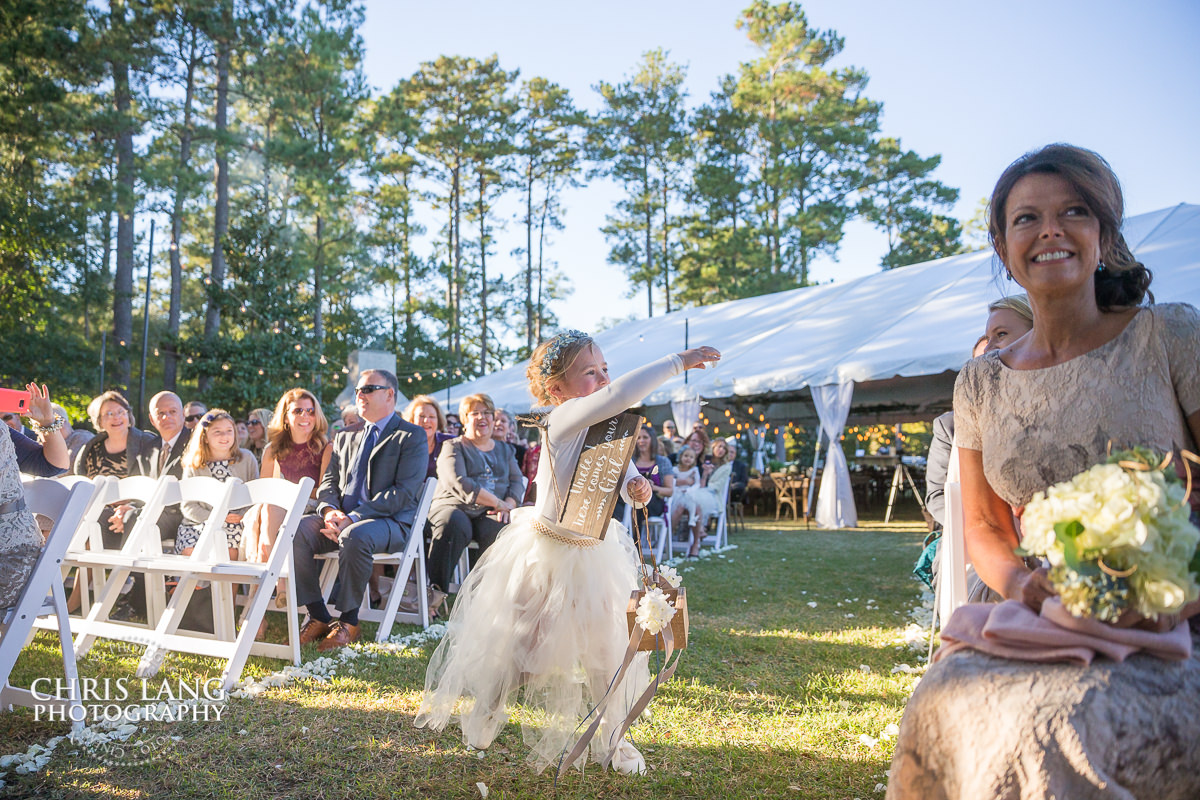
<point>898,337</point>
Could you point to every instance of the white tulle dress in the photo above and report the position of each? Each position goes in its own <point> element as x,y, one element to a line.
<point>541,621</point>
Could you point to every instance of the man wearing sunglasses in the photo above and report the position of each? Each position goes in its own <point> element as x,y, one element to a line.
<point>365,505</point>
<point>192,413</point>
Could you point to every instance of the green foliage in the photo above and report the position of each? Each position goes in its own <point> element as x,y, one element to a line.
<point>299,215</point>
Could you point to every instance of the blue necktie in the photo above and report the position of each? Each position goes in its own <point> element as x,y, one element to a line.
<point>356,486</point>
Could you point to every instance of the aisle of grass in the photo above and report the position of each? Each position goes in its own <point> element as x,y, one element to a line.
<point>770,700</point>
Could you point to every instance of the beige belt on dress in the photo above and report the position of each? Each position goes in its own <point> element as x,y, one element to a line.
<point>574,541</point>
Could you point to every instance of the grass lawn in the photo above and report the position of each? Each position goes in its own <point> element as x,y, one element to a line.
<point>786,690</point>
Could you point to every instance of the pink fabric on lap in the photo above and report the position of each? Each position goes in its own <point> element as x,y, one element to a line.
<point>1012,630</point>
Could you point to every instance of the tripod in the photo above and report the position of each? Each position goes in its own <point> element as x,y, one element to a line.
<point>900,475</point>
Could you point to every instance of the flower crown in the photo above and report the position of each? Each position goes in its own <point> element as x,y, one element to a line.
<point>557,345</point>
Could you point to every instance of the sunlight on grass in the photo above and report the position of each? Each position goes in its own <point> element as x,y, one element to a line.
<point>782,692</point>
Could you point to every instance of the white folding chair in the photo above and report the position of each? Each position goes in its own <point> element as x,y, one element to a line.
<point>209,561</point>
<point>657,533</point>
<point>951,591</point>
<point>720,536</point>
<point>110,568</point>
<point>43,594</point>
<point>409,561</point>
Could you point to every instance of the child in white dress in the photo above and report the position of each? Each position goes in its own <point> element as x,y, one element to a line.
<point>544,609</point>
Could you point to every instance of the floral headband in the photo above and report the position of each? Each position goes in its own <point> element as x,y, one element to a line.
<point>557,345</point>
<point>213,416</point>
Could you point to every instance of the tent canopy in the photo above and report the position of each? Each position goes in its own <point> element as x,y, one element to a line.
<point>900,335</point>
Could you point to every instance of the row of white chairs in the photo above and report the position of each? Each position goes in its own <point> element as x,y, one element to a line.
<point>75,506</point>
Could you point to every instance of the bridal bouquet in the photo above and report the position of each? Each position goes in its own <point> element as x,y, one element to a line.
<point>1117,537</point>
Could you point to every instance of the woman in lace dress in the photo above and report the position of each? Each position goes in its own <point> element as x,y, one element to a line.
<point>1099,367</point>
<point>544,609</point>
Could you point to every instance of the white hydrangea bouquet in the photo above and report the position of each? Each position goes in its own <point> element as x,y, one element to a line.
<point>1117,537</point>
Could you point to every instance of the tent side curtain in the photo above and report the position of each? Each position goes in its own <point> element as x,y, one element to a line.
<point>835,502</point>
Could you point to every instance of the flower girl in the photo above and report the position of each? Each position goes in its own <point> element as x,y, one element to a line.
<point>544,609</point>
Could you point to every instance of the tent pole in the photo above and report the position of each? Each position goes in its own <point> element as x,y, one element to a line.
<point>812,482</point>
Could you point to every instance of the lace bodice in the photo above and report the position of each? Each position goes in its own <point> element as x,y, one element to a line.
<point>567,424</point>
<point>1038,427</point>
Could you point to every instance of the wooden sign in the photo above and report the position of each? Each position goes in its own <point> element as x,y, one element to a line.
<point>599,473</point>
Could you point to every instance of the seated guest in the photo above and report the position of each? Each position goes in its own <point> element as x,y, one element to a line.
<point>350,418</point>
<point>479,482</point>
<point>654,468</point>
<point>257,422</point>
<point>212,452</point>
<point>666,442</point>
<point>702,502</point>
<point>1009,318</point>
<point>166,458</point>
<point>192,413</point>
<point>243,433</point>
<point>505,430</point>
<point>297,447</point>
<point>424,412</point>
<point>453,425</point>
<point>13,420</point>
<point>365,505</point>
<point>698,441</point>
<point>74,437</point>
<point>119,449</point>
<point>20,538</point>
<point>739,474</point>
<point>1100,366</point>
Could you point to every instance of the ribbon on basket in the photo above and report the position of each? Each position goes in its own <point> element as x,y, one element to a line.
<point>631,650</point>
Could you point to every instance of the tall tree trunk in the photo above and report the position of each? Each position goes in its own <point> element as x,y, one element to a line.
<point>406,255</point>
<point>126,203</point>
<point>319,286</point>
<point>541,272</point>
<point>666,249</point>
<point>529,340</point>
<point>212,319</point>
<point>170,353</point>
<point>456,190</point>
<point>649,252</point>
<point>483,287</point>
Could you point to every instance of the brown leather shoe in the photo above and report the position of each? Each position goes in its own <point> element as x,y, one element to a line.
<point>313,631</point>
<point>340,635</point>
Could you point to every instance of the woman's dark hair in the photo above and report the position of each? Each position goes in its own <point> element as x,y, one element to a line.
<point>653,443</point>
<point>1123,281</point>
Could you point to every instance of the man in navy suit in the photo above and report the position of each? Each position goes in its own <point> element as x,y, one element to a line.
<point>366,504</point>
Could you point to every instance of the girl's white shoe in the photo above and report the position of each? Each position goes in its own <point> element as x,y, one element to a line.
<point>627,760</point>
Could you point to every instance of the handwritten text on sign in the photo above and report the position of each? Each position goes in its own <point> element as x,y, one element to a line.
<point>607,448</point>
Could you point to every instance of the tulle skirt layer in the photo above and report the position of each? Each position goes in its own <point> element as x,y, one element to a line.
<point>541,623</point>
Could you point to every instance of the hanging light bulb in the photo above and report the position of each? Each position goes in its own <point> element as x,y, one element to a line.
<point>299,347</point>
<point>260,372</point>
<point>189,359</point>
<point>324,360</point>
<point>225,366</point>
<point>297,374</point>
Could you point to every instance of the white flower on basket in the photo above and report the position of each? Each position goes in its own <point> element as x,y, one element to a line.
<point>654,611</point>
<point>670,576</point>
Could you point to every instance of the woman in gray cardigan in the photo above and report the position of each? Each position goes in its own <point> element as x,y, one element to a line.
<point>479,482</point>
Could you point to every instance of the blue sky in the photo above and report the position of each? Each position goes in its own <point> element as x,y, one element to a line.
<point>978,83</point>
